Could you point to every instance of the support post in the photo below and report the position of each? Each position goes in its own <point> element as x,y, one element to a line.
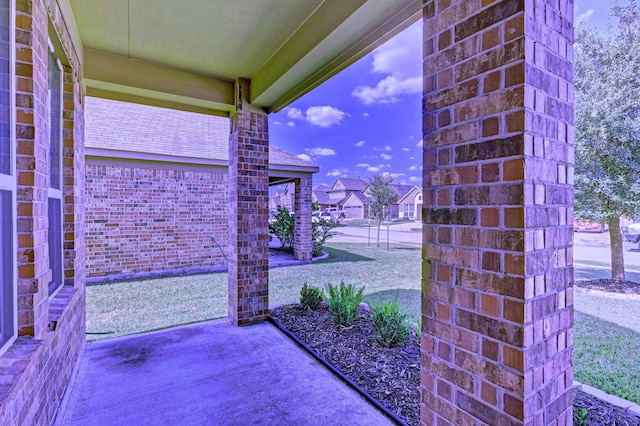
<point>249,213</point>
<point>497,307</point>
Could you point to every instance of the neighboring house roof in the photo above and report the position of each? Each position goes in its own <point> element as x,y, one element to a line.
<point>359,195</point>
<point>321,188</point>
<point>410,191</point>
<point>401,190</point>
<point>323,197</point>
<point>348,184</point>
<point>117,126</point>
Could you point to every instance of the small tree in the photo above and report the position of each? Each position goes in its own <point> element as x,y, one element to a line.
<point>607,150</point>
<point>382,197</point>
<point>283,226</point>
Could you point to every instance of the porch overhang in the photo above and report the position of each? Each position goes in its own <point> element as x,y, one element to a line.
<point>187,55</point>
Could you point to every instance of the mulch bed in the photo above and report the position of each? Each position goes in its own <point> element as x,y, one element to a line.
<point>624,287</point>
<point>392,375</point>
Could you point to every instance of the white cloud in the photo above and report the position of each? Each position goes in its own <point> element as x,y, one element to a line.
<point>400,60</point>
<point>337,172</point>
<point>388,90</point>
<point>393,175</point>
<point>584,16</point>
<point>304,157</point>
<point>325,115</point>
<point>413,168</point>
<point>420,143</point>
<point>321,152</point>
<point>373,169</point>
<point>406,149</point>
<point>364,165</point>
<point>360,143</point>
<point>411,138</point>
<point>291,124</point>
<point>415,179</point>
<point>387,148</point>
<point>277,123</point>
<point>412,158</point>
<point>295,113</point>
<point>365,114</point>
<point>386,156</point>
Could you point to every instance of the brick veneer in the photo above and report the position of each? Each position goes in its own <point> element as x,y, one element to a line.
<point>249,221</point>
<point>142,220</point>
<point>302,243</point>
<point>36,368</point>
<point>498,150</point>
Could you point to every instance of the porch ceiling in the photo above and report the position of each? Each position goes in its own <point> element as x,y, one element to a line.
<point>186,54</point>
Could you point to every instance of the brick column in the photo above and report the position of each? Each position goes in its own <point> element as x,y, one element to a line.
<point>73,179</point>
<point>32,133</point>
<point>497,327</point>
<point>249,214</point>
<point>302,243</point>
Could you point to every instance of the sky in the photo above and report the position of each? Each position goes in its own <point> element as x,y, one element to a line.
<point>368,118</point>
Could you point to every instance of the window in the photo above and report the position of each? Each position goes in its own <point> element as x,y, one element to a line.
<point>408,211</point>
<point>8,301</point>
<point>55,173</point>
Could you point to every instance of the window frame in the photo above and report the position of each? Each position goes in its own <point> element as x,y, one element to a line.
<point>9,183</point>
<point>57,193</point>
<point>409,210</point>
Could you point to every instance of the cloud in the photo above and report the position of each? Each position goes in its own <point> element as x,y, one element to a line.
<point>304,157</point>
<point>386,157</point>
<point>388,90</point>
<point>415,179</point>
<point>387,148</point>
<point>325,116</point>
<point>420,144</point>
<point>365,114</point>
<point>400,61</point>
<point>373,169</point>
<point>584,16</point>
<point>392,175</point>
<point>337,172</point>
<point>291,124</point>
<point>321,152</point>
<point>360,143</point>
<point>364,165</point>
<point>406,149</point>
<point>413,168</point>
<point>295,113</point>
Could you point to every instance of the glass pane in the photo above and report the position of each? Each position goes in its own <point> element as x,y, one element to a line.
<point>55,108</point>
<point>55,244</point>
<point>5,78</point>
<point>6,268</point>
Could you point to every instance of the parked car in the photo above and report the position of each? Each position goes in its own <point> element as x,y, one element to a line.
<point>334,213</point>
<point>586,226</point>
<point>632,233</point>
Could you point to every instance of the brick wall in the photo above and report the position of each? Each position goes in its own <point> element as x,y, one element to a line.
<point>498,196</point>
<point>141,220</point>
<point>35,369</point>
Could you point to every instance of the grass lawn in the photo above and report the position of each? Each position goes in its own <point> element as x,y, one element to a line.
<point>607,331</point>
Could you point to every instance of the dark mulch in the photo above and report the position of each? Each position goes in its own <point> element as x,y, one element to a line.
<point>601,412</point>
<point>625,287</point>
<point>392,375</point>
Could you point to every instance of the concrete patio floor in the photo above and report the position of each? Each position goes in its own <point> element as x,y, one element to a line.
<point>208,373</point>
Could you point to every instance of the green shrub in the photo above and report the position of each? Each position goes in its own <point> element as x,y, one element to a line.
<point>343,302</point>
<point>310,297</point>
<point>282,226</point>
<point>390,326</point>
<point>321,232</point>
<point>580,416</point>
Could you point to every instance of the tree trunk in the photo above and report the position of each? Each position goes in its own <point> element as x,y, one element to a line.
<point>617,251</point>
<point>378,240</point>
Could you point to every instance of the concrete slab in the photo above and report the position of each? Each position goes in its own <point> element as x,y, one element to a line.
<point>208,373</point>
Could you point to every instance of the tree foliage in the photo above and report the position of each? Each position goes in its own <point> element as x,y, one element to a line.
<point>383,196</point>
<point>607,127</point>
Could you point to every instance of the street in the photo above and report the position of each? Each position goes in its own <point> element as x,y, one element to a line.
<point>590,250</point>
